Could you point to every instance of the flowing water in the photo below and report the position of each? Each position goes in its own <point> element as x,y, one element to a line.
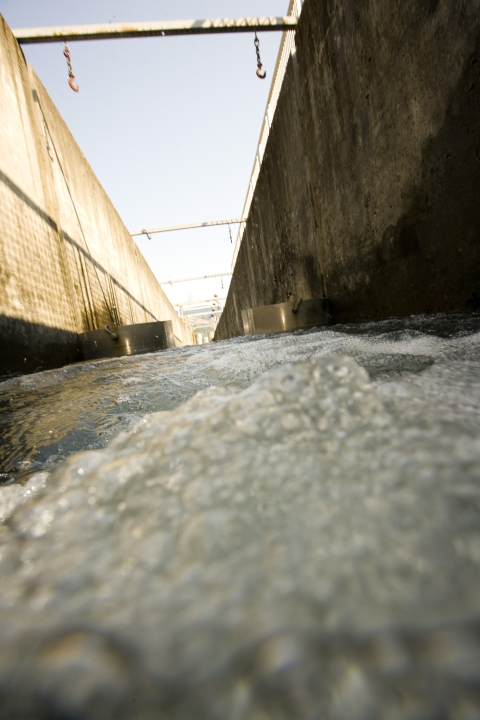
<point>271,527</point>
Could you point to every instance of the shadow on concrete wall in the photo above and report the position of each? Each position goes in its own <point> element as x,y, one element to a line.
<point>85,254</point>
<point>28,347</point>
<point>390,120</point>
<point>429,261</point>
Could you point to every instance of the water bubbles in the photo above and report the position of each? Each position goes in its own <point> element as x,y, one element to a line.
<point>299,539</point>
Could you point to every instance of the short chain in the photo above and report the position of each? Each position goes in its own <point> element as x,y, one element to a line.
<point>230,233</point>
<point>71,76</point>
<point>256,42</point>
<point>261,75</point>
<point>66,52</point>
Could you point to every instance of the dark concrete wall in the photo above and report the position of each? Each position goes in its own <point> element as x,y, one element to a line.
<point>370,185</point>
<point>67,262</point>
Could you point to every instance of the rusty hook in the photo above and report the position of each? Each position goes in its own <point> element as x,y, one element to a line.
<point>71,76</point>
<point>75,88</point>
<point>261,75</point>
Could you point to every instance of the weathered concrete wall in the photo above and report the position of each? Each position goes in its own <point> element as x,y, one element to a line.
<point>369,189</point>
<point>67,262</point>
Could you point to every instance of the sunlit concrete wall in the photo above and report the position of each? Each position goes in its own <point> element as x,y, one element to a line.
<point>67,262</point>
<point>369,189</point>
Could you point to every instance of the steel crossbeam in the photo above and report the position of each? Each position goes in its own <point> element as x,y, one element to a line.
<point>152,29</point>
<point>188,226</point>
<point>197,277</point>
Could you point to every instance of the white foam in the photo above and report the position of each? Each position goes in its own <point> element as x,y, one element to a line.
<point>300,538</point>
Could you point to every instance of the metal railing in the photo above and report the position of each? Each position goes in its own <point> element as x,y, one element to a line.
<point>286,47</point>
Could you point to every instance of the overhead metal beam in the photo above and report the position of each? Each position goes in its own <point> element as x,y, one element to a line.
<point>200,303</point>
<point>190,226</point>
<point>152,29</point>
<point>201,314</point>
<point>197,277</point>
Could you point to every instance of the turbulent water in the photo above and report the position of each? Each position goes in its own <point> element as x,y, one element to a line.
<point>278,527</point>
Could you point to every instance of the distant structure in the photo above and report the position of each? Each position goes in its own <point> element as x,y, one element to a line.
<point>203,317</point>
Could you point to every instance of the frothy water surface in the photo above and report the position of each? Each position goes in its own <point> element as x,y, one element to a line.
<point>285,527</point>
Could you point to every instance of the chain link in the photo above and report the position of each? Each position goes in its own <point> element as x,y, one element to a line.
<point>261,75</point>
<point>66,52</point>
<point>71,76</point>
<point>230,233</point>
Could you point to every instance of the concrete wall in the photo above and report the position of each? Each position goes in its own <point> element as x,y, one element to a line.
<point>369,190</point>
<point>67,262</point>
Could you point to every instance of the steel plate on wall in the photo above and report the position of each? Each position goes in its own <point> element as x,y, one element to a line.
<point>132,340</point>
<point>284,317</point>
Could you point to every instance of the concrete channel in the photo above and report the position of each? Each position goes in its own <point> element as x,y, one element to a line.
<point>280,526</point>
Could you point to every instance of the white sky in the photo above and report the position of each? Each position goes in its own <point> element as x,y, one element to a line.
<point>169,125</point>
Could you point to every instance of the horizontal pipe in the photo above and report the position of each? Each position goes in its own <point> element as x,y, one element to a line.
<point>191,226</point>
<point>200,303</point>
<point>201,314</point>
<point>152,29</point>
<point>197,277</point>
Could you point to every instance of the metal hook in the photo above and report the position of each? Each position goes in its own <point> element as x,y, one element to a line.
<point>112,334</point>
<point>147,234</point>
<point>260,75</point>
<point>71,76</point>
<point>295,308</point>
<point>75,88</point>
